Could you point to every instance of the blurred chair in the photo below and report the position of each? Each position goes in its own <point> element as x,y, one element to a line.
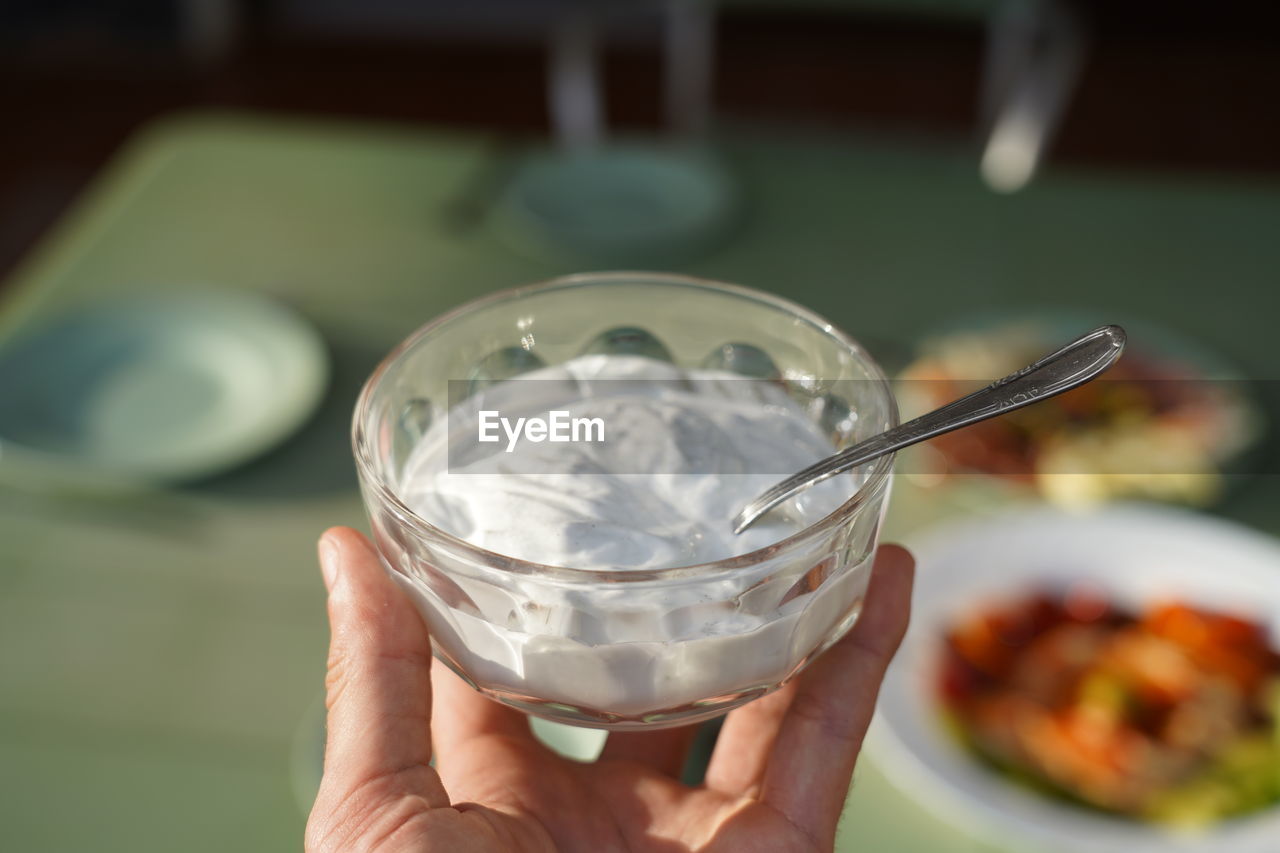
<point>1035,50</point>
<point>577,109</point>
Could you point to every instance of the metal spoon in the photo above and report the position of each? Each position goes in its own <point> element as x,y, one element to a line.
<point>1075,364</point>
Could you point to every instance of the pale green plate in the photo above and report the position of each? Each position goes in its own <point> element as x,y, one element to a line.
<point>621,205</point>
<point>157,388</point>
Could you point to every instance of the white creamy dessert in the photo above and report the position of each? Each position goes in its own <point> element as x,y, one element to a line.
<point>683,452</point>
<point>711,444</point>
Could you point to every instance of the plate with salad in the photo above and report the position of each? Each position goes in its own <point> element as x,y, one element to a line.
<point>1170,422</point>
<point>1105,682</point>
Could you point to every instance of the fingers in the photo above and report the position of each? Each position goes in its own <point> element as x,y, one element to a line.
<point>379,688</point>
<point>808,772</point>
<point>664,751</point>
<point>746,740</point>
<point>462,713</point>
<point>742,751</point>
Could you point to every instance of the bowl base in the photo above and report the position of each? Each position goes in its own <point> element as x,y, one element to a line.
<point>665,718</point>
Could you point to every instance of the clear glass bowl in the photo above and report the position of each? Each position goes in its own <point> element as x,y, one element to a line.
<point>627,649</point>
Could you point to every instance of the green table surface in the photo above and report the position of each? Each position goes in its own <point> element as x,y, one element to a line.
<point>158,655</point>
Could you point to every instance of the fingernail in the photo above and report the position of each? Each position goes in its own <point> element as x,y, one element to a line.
<point>328,562</point>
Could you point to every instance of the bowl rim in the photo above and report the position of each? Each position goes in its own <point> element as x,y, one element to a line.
<point>365,467</point>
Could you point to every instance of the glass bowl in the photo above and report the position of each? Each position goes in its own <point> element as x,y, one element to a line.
<point>627,649</point>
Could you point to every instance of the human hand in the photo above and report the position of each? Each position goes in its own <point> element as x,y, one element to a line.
<point>776,783</point>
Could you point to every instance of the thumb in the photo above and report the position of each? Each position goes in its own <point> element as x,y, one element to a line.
<point>378,744</point>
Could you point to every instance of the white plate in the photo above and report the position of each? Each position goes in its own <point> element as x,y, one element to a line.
<point>1139,554</point>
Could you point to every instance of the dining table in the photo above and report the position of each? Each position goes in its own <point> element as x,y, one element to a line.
<point>162,652</point>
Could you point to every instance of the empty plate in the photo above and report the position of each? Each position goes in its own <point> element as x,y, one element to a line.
<point>618,205</point>
<point>159,388</point>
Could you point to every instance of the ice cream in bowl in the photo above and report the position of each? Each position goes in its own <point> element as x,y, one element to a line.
<point>550,473</point>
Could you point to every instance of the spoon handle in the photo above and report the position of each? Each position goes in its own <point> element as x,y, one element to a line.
<point>1075,364</point>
